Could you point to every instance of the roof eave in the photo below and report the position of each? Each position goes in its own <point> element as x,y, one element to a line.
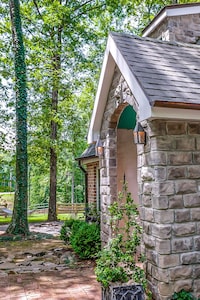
<point>112,58</point>
<point>181,105</point>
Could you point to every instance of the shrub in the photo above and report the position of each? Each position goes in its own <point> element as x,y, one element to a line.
<point>117,262</point>
<point>67,228</point>
<point>85,239</point>
<point>183,295</point>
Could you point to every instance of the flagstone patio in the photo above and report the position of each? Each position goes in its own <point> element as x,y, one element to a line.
<point>39,271</point>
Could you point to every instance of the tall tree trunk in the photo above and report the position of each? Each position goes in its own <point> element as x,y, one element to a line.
<point>19,222</point>
<point>56,68</point>
<point>52,216</point>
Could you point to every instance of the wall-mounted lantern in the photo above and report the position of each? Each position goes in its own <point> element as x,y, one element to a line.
<point>139,134</point>
<point>99,148</point>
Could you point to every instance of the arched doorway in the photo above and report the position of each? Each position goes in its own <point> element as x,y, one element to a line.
<point>127,152</point>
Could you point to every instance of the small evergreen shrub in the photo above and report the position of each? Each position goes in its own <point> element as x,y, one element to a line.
<point>85,240</point>
<point>183,295</point>
<point>83,237</point>
<point>67,228</point>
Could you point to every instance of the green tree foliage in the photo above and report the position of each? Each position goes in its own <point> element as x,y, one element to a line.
<point>65,41</point>
<point>62,41</point>
<point>19,222</point>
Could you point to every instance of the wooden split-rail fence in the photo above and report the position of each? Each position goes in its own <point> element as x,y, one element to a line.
<point>43,209</point>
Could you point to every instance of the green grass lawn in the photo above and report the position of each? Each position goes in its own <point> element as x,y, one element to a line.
<point>8,197</point>
<point>40,218</point>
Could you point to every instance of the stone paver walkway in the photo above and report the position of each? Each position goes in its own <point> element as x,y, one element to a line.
<point>64,285</point>
<point>68,284</point>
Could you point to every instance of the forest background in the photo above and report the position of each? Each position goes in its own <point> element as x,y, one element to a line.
<point>65,42</point>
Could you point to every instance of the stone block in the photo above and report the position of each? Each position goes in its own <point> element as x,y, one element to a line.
<point>140,161</point>
<point>142,213</point>
<point>185,187</point>
<point>195,214</point>
<point>194,172</point>
<point>182,215</point>
<point>112,162</point>
<point>149,214</point>
<point>148,269</point>
<point>146,200</point>
<point>191,200</point>
<point>196,287</point>
<point>157,128</point>
<point>152,257</point>
<point>168,261</point>
<point>184,229</point>
<point>176,128</point>
<point>147,188</point>
<point>194,128</point>
<point>183,285</point>
<point>176,172</point>
<point>160,274</point>
<point>163,246</point>
<point>163,188</point>
<point>147,227</point>
<point>196,157</point>
<point>160,202</point>
<point>162,143</point>
<point>157,158</point>
<point>147,174</point>
<point>179,158</point>
<point>161,231</point>
<point>197,271</point>
<point>197,243</point>
<point>198,228</point>
<point>164,216</point>
<point>160,173</point>
<point>176,201</point>
<point>149,241</point>
<point>198,142</point>
<point>104,181</point>
<point>181,273</point>
<point>190,258</point>
<point>165,289</point>
<point>182,245</point>
<point>140,188</point>
<point>113,172</point>
<point>186,143</point>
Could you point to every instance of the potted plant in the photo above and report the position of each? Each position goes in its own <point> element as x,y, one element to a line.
<point>119,266</point>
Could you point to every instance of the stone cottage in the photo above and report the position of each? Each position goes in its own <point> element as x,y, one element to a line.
<point>154,80</point>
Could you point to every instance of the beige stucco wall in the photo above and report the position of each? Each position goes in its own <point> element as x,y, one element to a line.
<point>127,162</point>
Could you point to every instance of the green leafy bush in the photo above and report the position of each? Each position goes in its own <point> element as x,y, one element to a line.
<point>117,262</point>
<point>85,239</point>
<point>66,229</point>
<point>183,295</point>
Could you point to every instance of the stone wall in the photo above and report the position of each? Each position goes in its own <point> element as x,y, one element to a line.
<point>179,28</point>
<point>169,194</point>
<point>119,96</point>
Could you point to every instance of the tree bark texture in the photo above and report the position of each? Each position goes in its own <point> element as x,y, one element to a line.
<point>56,68</point>
<point>19,222</point>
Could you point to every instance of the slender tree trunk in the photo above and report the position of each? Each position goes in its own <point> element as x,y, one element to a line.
<point>52,216</point>
<point>56,68</point>
<point>19,222</point>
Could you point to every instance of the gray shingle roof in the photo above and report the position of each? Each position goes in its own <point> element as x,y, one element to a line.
<point>89,152</point>
<point>167,72</point>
